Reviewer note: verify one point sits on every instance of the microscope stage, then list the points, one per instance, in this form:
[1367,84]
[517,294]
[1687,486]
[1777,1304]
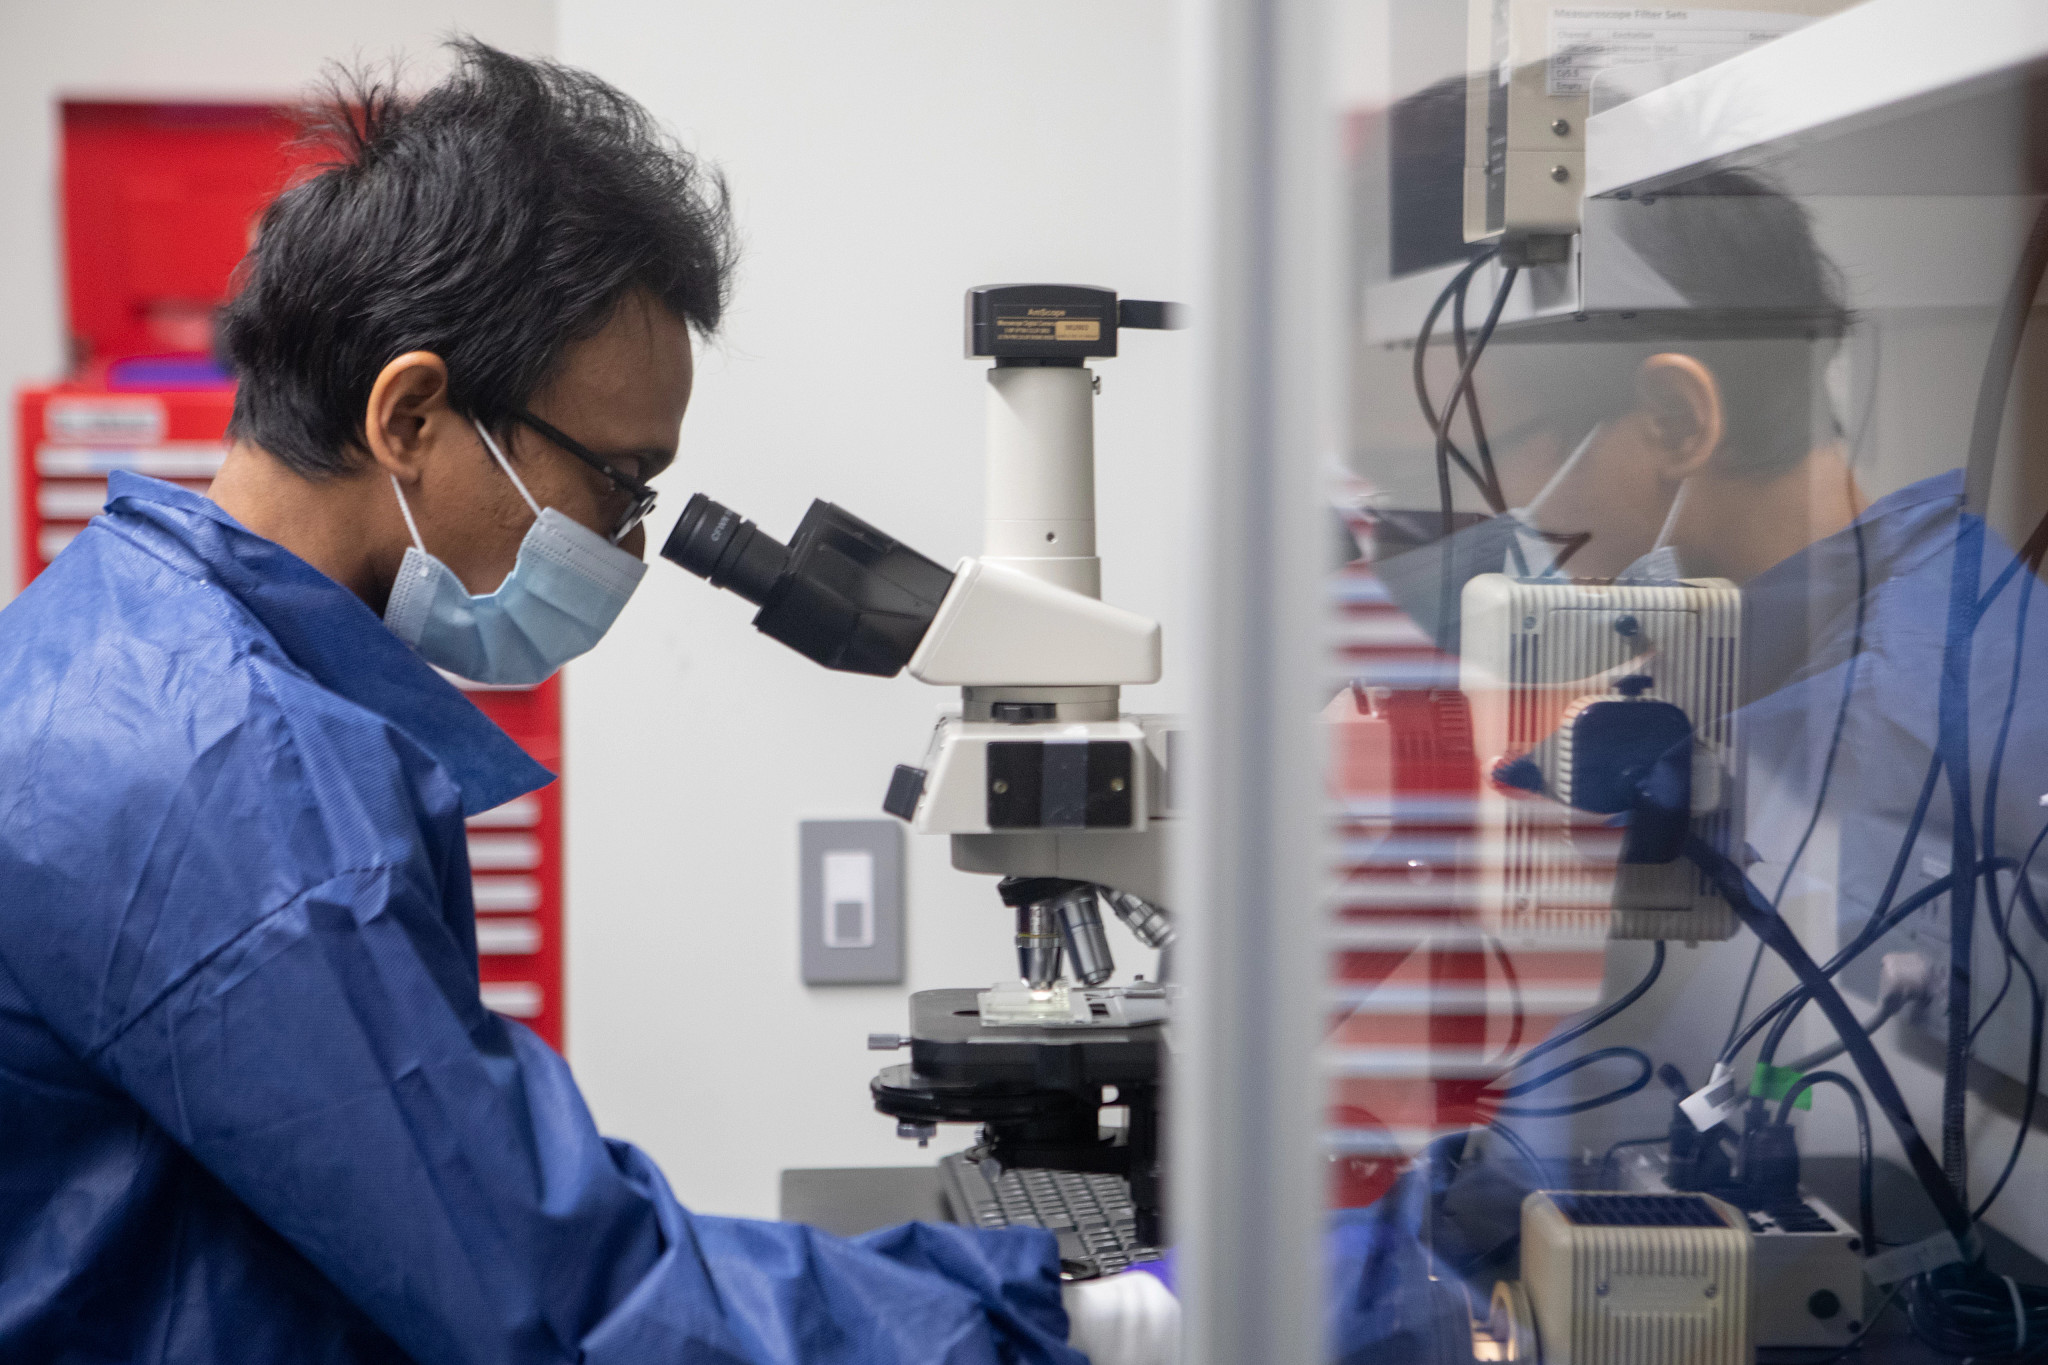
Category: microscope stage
[948,1042]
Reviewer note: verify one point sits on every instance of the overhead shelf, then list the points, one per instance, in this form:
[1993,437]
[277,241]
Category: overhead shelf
[1883,246]
[1914,132]
[1893,97]
[1394,309]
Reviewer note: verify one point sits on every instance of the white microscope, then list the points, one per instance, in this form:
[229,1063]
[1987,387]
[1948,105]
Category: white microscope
[1040,778]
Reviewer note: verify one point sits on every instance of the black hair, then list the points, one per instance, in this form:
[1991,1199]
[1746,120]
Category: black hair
[1761,306]
[493,220]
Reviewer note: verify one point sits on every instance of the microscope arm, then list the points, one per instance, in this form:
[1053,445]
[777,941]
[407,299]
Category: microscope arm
[1001,627]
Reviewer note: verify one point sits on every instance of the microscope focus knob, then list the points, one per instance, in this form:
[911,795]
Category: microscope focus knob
[886,1042]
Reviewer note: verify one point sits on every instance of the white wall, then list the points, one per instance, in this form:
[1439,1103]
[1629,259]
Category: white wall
[168,49]
[883,158]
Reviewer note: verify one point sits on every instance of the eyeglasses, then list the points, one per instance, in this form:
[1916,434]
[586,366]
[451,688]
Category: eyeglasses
[642,496]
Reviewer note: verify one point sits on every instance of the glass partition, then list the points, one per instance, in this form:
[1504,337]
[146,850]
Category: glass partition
[1682,707]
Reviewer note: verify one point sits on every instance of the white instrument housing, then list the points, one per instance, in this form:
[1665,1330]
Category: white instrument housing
[956,801]
[1529,651]
[1610,1294]
[1001,626]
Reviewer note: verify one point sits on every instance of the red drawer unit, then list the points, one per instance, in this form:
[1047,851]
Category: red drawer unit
[515,864]
[72,437]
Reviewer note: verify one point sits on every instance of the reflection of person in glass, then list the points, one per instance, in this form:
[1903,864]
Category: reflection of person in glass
[1721,400]
[1705,445]
[1722,457]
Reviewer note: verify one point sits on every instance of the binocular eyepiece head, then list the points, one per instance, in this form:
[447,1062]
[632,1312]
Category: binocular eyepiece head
[841,592]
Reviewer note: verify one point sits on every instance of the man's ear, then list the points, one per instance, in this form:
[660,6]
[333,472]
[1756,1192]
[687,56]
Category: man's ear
[408,413]
[1681,402]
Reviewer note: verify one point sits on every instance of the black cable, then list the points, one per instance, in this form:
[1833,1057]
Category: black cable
[1873,929]
[1564,1069]
[1779,1014]
[1765,923]
[1606,1012]
[1866,1160]
[1607,1161]
[1732,1044]
[2004,926]
[1455,290]
[1578,1063]
[2030,554]
[1421,378]
[1964,612]
[1987,422]
[1882,921]
[1953,741]
[1965,1310]
[2025,889]
[1827,773]
[1789,1005]
[1460,391]
[1928,782]
[1819,1057]
[2004,989]
[1522,1148]
[1827,770]
[1496,499]
[1507,971]
[2012,696]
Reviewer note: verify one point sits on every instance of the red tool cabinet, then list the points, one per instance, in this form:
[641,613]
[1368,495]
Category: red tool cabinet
[159,201]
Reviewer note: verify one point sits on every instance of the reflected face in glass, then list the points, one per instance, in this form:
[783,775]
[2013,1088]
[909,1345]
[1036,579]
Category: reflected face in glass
[1529,454]
[1541,401]
[1615,433]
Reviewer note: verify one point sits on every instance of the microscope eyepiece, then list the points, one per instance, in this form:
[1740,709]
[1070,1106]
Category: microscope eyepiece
[714,542]
[841,592]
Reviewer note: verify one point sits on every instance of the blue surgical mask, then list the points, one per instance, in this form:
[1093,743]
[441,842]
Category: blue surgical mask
[565,590]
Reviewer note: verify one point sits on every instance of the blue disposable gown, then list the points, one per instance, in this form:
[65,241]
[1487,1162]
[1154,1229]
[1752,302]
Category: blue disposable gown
[251,1108]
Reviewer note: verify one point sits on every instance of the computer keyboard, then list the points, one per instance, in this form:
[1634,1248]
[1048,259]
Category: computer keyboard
[1090,1214]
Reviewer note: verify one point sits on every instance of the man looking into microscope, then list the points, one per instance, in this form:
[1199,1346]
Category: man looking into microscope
[255,1109]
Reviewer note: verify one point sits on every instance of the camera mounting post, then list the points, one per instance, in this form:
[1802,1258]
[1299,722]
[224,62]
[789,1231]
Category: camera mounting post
[1041,419]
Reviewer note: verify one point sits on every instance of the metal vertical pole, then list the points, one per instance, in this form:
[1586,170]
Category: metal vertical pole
[1246,1139]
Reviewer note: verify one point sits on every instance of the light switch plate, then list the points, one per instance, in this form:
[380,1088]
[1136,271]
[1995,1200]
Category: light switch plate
[850,920]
